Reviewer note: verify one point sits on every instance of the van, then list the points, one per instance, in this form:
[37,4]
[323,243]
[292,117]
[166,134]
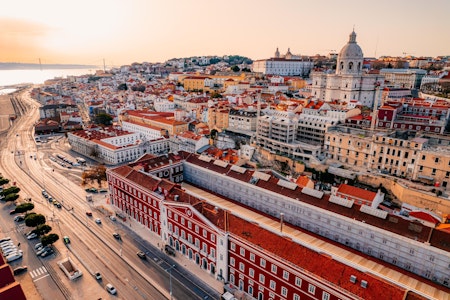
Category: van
[169,250]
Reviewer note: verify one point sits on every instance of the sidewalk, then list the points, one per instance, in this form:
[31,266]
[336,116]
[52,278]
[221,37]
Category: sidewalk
[152,238]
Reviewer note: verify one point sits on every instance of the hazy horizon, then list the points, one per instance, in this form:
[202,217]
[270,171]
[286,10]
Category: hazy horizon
[121,33]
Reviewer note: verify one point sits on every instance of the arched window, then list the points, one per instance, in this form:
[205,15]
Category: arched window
[350,65]
[359,66]
[342,65]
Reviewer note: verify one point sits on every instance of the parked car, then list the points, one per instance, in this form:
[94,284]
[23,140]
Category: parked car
[66,240]
[116,235]
[112,218]
[58,205]
[43,249]
[20,270]
[47,253]
[19,218]
[141,254]
[98,221]
[32,235]
[14,256]
[111,289]
[89,214]
[6,243]
[97,275]
[38,246]
[103,190]
[5,239]
[12,212]
[10,251]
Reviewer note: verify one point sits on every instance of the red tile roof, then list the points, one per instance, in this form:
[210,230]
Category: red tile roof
[322,266]
[356,192]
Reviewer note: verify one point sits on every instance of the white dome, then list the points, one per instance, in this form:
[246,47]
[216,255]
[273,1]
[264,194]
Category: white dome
[351,49]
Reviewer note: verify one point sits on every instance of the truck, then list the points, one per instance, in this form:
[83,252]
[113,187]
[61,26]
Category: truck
[69,268]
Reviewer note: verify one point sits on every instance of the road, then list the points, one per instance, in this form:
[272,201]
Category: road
[92,246]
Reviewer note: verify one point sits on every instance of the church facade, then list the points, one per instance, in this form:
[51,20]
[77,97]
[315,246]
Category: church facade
[349,81]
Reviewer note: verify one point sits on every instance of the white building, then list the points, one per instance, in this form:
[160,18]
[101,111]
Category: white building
[161,104]
[349,82]
[288,65]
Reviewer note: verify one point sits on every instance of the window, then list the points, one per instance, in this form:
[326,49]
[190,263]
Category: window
[296,297]
[241,267]
[233,246]
[251,272]
[252,257]
[242,251]
[298,281]
[273,285]
[311,289]
[285,275]
[274,268]
[262,262]
[325,296]
[261,278]
[232,261]
[423,157]
[284,291]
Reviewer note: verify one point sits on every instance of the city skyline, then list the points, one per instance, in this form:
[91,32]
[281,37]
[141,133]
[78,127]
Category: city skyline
[121,33]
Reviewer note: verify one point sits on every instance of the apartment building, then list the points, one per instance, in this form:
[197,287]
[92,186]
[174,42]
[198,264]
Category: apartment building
[394,152]
[403,78]
[242,120]
[163,120]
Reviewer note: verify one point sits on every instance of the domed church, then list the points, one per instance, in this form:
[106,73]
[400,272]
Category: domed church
[350,83]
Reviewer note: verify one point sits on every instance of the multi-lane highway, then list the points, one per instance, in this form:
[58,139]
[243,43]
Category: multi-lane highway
[92,246]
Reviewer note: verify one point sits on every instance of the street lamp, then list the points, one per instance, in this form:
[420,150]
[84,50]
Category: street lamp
[170,279]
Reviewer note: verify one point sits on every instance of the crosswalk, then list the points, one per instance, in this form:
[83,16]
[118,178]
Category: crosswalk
[39,273]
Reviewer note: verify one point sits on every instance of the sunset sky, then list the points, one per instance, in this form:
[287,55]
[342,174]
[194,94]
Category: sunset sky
[125,31]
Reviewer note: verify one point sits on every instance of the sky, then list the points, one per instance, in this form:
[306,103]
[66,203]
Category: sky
[122,32]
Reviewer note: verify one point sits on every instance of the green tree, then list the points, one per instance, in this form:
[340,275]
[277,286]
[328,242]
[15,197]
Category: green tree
[10,190]
[11,197]
[24,207]
[49,239]
[235,69]
[42,229]
[33,220]
[103,118]
[3,181]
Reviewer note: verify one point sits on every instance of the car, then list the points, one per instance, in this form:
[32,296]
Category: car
[112,218]
[38,246]
[58,205]
[10,251]
[111,289]
[103,191]
[98,221]
[50,199]
[89,214]
[5,239]
[97,275]
[32,235]
[19,218]
[43,249]
[66,240]
[14,256]
[55,202]
[47,253]
[141,254]
[116,235]
[20,270]
[6,243]
[12,212]
[44,192]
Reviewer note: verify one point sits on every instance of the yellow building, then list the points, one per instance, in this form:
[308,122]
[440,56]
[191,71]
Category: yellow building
[218,118]
[195,83]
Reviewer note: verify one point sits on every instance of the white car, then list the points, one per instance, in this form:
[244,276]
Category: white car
[32,235]
[6,244]
[14,256]
[111,289]
[38,246]
[5,248]
[10,251]
[98,221]
[5,239]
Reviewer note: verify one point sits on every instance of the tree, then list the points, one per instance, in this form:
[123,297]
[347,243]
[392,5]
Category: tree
[10,190]
[11,197]
[49,239]
[235,69]
[42,229]
[103,118]
[24,207]
[3,181]
[33,220]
